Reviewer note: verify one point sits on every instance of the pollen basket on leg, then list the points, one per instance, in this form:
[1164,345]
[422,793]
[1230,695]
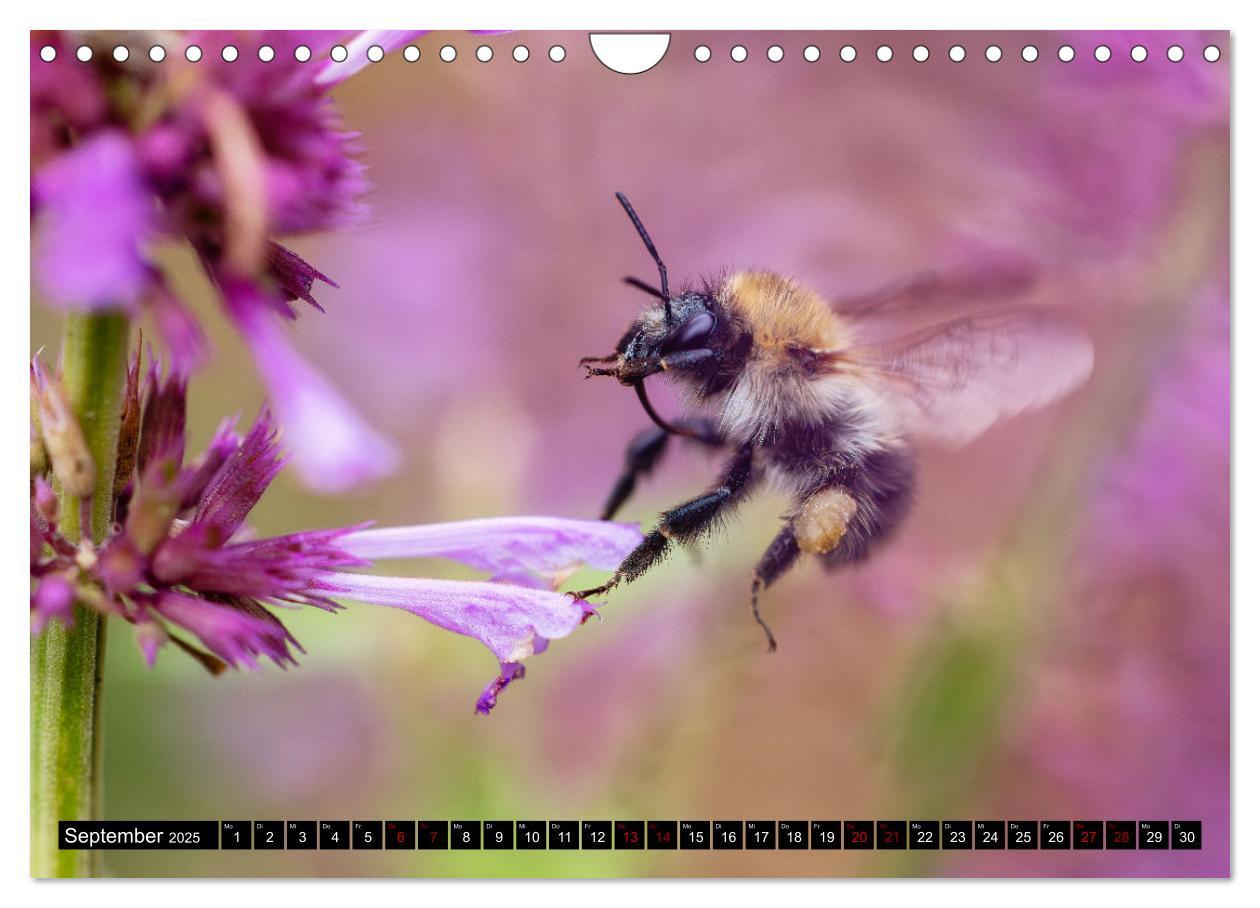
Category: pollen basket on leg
[823,519]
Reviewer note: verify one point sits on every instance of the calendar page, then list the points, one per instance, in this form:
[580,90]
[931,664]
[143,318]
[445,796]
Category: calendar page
[661,454]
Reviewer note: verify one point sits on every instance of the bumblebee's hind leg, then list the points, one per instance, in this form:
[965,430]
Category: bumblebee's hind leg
[644,453]
[844,519]
[780,556]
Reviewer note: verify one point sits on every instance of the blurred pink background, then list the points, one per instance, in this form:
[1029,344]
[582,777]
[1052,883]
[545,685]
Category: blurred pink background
[1047,638]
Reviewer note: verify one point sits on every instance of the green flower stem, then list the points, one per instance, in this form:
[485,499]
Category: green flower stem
[67,664]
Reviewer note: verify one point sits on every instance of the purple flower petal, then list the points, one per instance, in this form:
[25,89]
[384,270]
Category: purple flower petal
[198,477]
[236,632]
[513,622]
[150,636]
[279,568]
[187,343]
[333,448]
[241,481]
[53,598]
[508,672]
[551,547]
[162,423]
[94,214]
[294,276]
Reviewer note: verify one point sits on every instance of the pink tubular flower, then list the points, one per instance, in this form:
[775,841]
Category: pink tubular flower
[178,561]
[223,156]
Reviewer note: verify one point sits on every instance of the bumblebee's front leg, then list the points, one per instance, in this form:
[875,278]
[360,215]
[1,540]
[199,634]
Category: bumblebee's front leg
[644,453]
[687,522]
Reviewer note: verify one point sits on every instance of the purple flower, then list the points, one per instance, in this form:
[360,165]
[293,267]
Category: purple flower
[179,562]
[223,156]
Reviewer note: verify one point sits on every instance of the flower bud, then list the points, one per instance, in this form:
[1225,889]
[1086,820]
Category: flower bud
[154,506]
[128,428]
[67,449]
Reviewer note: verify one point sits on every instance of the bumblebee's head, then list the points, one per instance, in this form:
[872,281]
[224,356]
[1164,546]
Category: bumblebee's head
[674,336]
[680,335]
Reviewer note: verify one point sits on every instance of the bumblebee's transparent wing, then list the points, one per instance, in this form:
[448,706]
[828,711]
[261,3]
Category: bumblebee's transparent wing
[951,381]
[937,295]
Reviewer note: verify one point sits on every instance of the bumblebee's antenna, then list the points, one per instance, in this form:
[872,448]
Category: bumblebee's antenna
[644,286]
[651,248]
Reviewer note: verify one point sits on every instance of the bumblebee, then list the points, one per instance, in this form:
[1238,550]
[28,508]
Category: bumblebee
[828,400]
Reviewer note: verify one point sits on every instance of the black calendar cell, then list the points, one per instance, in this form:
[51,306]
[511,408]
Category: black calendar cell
[235,835]
[695,834]
[597,834]
[466,835]
[1121,834]
[1087,835]
[433,835]
[268,835]
[793,835]
[859,834]
[1056,835]
[496,835]
[400,835]
[334,835]
[563,835]
[299,835]
[1021,835]
[629,834]
[1187,834]
[890,834]
[531,835]
[925,835]
[759,835]
[728,835]
[367,835]
[662,834]
[957,835]
[826,835]
[1153,834]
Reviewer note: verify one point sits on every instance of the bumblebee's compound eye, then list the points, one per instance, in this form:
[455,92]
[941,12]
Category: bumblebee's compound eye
[694,332]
